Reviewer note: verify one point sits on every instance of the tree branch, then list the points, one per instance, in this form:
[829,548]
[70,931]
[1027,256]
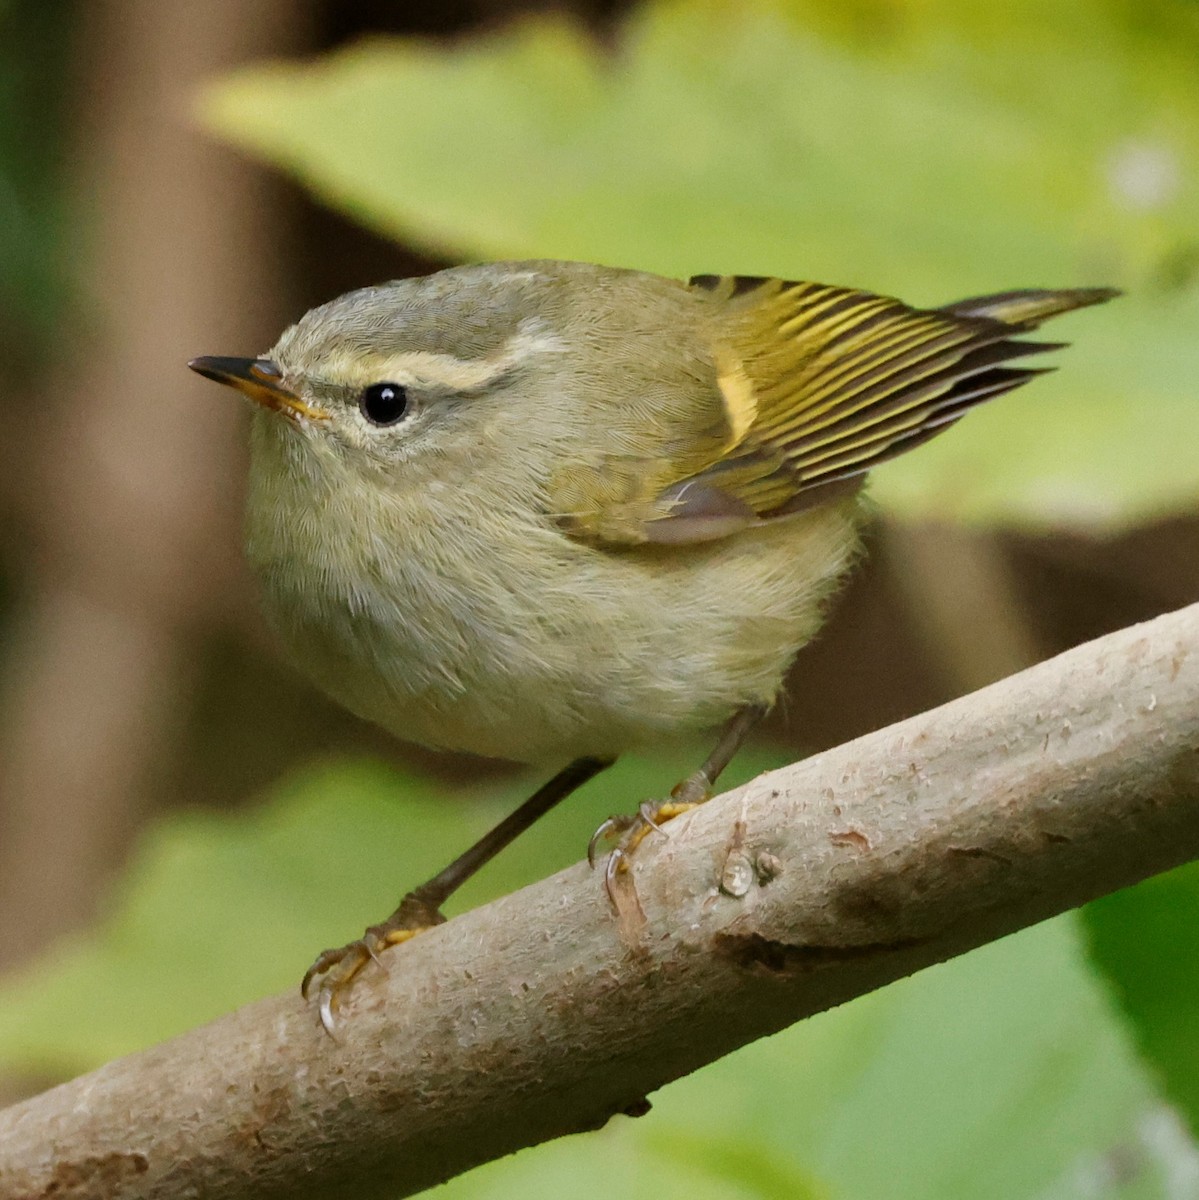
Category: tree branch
[540,1014]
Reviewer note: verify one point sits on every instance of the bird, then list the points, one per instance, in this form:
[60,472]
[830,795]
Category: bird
[552,512]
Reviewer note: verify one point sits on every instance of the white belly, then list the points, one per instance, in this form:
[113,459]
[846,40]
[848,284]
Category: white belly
[586,653]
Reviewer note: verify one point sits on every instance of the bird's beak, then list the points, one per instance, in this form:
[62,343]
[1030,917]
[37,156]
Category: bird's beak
[261,380]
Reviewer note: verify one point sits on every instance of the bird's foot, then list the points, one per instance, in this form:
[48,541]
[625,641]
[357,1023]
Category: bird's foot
[337,969]
[630,830]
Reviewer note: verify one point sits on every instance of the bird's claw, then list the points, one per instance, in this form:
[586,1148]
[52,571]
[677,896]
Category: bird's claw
[609,828]
[631,830]
[338,968]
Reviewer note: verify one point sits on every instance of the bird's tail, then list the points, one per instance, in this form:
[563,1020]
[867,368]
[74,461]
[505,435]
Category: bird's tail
[1027,309]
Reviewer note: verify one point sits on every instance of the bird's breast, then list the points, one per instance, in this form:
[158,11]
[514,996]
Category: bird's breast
[477,628]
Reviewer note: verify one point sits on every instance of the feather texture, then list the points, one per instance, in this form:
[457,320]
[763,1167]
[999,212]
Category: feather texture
[816,386]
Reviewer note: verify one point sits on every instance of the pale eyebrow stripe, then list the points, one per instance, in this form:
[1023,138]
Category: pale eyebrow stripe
[447,370]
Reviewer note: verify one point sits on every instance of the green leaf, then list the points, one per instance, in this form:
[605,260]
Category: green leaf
[1146,940]
[1045,144]
[1000,1075]
[214,912]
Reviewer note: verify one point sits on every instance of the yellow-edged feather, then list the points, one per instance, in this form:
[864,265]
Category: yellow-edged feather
[815,385]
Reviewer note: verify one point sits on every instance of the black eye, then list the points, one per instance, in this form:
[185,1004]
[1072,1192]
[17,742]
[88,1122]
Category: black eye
[384,403]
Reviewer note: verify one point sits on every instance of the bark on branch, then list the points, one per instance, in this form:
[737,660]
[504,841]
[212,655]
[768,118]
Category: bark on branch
[540,1014]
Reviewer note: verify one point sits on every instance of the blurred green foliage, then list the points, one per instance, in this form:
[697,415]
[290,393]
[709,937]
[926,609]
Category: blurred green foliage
[927,149]
[1146,940]
[218,912]
[1003,1074]
[33,62]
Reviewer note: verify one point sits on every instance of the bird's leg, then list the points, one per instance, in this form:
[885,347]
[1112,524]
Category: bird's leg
[420,909]
[690,793]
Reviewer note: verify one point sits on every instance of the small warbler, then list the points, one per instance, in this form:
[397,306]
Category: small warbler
[549,511]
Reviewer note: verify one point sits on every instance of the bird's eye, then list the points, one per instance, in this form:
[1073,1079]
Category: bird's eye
[384,403]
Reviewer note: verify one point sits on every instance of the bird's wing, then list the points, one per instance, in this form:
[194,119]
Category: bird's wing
[816,386]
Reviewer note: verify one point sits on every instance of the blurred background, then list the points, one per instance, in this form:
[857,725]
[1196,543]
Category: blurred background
[184,179]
